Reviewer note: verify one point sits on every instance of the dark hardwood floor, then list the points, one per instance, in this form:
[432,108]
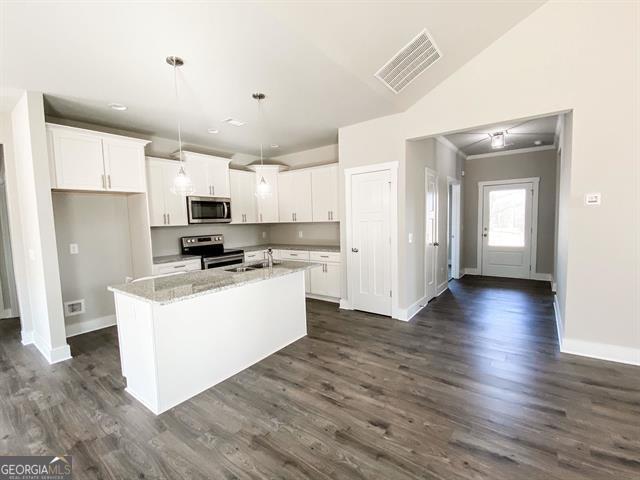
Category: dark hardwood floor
[472,388]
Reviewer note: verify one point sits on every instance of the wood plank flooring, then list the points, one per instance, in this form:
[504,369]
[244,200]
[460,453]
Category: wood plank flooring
[473,388]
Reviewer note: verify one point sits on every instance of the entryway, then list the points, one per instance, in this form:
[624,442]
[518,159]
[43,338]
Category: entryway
[507,219]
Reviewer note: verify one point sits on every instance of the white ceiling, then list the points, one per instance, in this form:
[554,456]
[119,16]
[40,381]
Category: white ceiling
[518,134]
[314,60]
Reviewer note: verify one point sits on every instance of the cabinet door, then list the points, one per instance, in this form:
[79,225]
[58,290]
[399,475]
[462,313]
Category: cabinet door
[175,205]
[198,170]
[155,193]
[236,181]
[249,206]
[218,175]
[318,281]
[268,206]
[324,187]
[332,279]
[123,165]
[294,197]
[78,160]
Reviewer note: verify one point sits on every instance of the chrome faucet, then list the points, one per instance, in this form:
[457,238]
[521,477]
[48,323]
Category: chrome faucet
[270,257]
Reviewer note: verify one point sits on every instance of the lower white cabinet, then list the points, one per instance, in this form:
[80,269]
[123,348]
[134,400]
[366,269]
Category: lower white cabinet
[172,267]
[255,256]
[325,280]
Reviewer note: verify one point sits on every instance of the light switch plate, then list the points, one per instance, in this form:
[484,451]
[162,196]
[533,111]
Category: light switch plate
[73,248]
[411,238]
[264,234]
[592,198]
[299,233]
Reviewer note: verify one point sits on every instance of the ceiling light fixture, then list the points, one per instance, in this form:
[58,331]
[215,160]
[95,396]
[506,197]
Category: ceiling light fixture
[538,142]
[182,184]
[117,106]
[213,130]
[263,189]
[234,122]
[497,140]
[275,145]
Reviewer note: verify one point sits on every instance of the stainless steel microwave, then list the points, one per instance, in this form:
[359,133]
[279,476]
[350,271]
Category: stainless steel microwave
[209,209]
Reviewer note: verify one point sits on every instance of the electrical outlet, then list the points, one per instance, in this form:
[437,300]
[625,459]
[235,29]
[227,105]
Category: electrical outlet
[264,234]
[411,238]
[73,248]
[299,233]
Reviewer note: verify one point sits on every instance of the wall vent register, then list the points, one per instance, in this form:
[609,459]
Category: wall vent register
[406,65]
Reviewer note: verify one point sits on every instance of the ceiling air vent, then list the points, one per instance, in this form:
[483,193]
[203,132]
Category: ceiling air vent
[418,55]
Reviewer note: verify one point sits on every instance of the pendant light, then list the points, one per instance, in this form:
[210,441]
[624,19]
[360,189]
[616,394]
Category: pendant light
[182,184]
[263,189]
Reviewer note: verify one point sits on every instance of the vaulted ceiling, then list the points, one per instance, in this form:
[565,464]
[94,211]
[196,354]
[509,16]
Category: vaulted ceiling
[315,61]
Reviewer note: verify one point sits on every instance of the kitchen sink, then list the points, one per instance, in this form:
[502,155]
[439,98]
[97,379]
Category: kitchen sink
[248,268]
[262,265]
[238,269]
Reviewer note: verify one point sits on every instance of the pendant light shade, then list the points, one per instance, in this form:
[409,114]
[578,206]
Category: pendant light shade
[263,189]
[182,184]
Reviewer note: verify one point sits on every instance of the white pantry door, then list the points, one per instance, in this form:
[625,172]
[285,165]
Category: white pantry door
[506,230]
[431,233]
[371,242]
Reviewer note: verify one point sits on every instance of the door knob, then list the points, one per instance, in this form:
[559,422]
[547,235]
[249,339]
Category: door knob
[436,244]
[354,250]
[484,234]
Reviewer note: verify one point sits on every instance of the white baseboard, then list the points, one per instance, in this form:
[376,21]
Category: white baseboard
[543,277]
[345,304]
[471,271]
[406,314]
[86,326]
[559,328]
[27,337]
[554,286]
[323,298]
[7,313]
[52,355]
[443,287]
[601,351]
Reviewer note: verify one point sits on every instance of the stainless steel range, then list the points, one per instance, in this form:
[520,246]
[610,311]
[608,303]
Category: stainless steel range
[211,249]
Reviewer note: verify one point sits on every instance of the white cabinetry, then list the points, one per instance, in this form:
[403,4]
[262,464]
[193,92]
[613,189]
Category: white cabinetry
[209,174]
[93,161]
[324,187]
[294,199]
[165,207]
[243,196]
[268,205]
[173,267]
[255,255]
[325,280]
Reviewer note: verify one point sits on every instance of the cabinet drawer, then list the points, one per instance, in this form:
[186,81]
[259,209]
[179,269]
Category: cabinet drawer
[187,265]
[294,255]
[324,257]
[256,255]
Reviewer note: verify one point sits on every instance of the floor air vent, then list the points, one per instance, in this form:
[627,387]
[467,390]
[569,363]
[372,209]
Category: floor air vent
[418,55]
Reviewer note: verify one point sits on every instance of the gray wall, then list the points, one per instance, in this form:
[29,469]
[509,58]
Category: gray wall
[312,233]
[99,224]
[506,167]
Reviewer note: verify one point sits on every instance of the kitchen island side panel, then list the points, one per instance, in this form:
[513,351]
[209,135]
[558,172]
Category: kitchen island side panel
[204,340]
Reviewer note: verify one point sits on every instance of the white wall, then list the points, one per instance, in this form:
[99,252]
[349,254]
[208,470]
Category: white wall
[312,233]
[29,169]
[556,63]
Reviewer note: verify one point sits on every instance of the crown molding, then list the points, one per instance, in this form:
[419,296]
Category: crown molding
[512,152]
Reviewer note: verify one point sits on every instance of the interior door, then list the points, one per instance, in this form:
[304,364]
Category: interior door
[506,230]
[370,271]
[431,233]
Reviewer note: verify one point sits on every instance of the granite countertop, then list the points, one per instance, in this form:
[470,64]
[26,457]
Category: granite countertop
[280,246]
[174,288]
[174,258]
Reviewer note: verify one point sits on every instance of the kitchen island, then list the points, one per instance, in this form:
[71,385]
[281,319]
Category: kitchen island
[182,334]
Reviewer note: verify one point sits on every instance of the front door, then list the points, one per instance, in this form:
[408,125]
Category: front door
[506,230]
[371,242]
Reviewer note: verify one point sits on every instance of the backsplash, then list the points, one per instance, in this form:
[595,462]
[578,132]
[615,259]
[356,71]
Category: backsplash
[312,233]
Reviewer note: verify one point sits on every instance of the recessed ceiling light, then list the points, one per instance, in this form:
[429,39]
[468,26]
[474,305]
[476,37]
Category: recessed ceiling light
[233,121]
[538,142]
[213,130]
[275,145]
[118,106]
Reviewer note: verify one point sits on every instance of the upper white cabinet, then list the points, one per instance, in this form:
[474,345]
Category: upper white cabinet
[165,208]
[268,205]
[209,174]
[294,189]
[243,197]
[324,188]
[87,160]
